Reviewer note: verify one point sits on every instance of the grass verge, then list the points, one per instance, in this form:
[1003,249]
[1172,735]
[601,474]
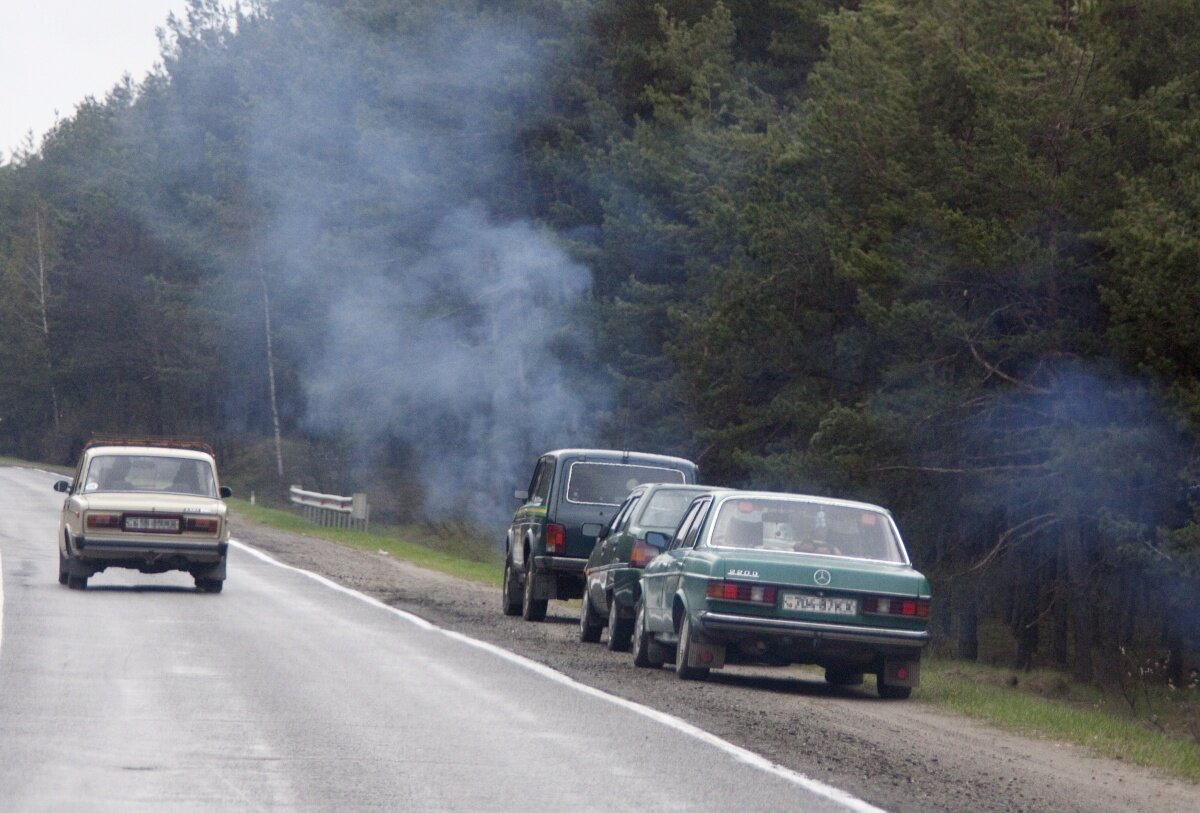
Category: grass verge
[1047,704]
[445,548]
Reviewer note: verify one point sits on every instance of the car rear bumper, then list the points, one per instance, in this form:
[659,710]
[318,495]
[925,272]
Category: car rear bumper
[560,564]
[724,625]
[197,550]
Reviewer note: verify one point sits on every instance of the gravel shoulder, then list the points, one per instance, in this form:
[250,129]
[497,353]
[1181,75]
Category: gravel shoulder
[902,756]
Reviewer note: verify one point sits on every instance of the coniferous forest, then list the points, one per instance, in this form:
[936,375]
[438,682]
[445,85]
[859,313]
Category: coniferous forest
[942,257]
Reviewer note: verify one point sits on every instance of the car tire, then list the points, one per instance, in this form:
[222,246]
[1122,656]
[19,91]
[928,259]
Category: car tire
[646,652]
[620,630]
[532,609]
[892,692]
[841,676]
[511,598]
[682,670]
[589,629]
[62,568]
[77,582]
[210,585]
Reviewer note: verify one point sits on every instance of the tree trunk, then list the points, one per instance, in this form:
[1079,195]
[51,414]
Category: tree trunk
[1080,600]
[43,304]
[262,279]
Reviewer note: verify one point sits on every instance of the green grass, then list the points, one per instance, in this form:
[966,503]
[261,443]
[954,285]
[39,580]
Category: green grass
[12,461]
[1047,704]
[445,548]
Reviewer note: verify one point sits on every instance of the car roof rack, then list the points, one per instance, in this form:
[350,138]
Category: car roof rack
[107,439]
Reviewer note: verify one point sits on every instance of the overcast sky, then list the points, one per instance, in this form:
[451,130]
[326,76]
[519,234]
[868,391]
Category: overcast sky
[53,53]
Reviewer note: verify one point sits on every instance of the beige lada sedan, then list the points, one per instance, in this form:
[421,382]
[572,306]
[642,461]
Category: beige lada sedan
[151,506]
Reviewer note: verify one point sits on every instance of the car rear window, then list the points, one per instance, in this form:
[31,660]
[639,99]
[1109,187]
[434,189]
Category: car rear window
[610,483]
[664,509]
[173,475]
[801,526]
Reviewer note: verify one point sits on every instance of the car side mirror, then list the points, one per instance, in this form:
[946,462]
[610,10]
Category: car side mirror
[225,492]
[62,486]
[521,495]
[658,540]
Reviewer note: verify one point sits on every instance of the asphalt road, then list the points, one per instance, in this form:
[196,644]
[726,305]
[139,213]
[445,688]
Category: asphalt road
[288,692]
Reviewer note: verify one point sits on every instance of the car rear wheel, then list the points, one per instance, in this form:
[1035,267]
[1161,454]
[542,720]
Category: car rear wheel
[646,652]
[589,628]
[682,670]
[210,585]
[532,609]
[511,598]
[620,630]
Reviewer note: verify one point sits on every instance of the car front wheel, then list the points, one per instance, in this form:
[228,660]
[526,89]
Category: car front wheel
[62,567]
[210,585]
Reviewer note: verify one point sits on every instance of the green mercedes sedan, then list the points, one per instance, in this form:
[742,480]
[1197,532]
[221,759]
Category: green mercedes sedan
[784,578]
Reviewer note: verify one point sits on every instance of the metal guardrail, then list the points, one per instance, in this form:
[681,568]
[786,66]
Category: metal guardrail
[332,510]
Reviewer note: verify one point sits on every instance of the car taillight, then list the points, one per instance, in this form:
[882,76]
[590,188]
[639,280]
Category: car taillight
[642,554]
[555,538]
[736,591]
[909,607]
[103,520]
[201,525]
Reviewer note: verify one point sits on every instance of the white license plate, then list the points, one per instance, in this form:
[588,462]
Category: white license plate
[151,524]
[819,604]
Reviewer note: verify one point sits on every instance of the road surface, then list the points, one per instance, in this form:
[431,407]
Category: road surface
[288,692]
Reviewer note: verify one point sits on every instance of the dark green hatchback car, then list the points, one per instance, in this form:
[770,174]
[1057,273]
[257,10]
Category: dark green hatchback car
[572,496]
[614,570]
[785,578]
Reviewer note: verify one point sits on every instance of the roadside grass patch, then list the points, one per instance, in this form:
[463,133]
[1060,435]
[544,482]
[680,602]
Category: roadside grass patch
[448,547]
[1048,704]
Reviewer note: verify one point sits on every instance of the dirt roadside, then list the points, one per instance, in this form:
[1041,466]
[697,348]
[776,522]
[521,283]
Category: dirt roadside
[901,756]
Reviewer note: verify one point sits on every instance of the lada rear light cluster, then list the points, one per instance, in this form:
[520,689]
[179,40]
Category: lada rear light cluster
[556,538]
[737,591]
[909,607]
[201,525]
[98,520]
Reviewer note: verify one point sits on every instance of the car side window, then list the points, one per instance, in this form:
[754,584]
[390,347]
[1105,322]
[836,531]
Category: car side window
[539,487]
[685,525]
[693,533]
[621,518]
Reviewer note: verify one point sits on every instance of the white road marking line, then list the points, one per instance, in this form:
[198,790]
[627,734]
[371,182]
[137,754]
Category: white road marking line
[743,755]
[1,603]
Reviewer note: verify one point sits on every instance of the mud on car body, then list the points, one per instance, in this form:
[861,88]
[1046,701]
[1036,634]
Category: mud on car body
[785,578]
[572,496]
[148,505]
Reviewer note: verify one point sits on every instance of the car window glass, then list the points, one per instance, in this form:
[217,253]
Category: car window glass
[697,524]
[157,473]
[615,524]
[609,483]
[662,510]
[539,488]
[804,526]
[684,526]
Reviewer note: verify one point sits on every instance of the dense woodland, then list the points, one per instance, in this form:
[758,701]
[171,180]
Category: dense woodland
[940,256]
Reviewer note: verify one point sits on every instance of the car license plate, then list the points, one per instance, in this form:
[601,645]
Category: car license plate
[819,604]
[151,524]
